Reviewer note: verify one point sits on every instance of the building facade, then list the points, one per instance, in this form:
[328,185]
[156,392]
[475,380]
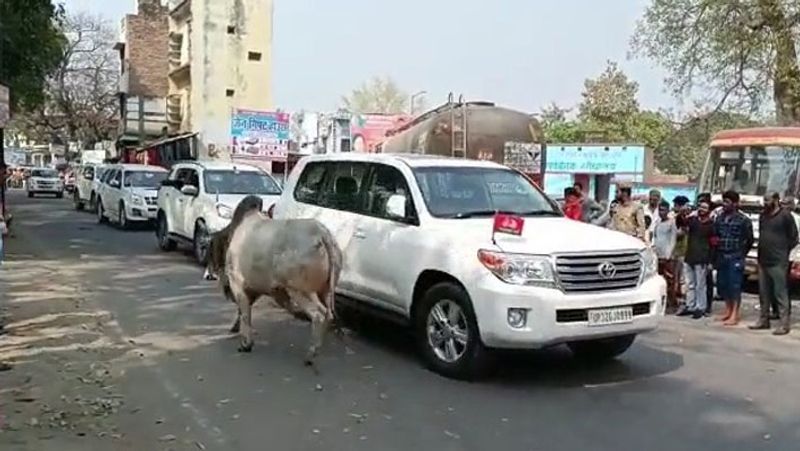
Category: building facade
[143,84]
[598,167]
[220,60]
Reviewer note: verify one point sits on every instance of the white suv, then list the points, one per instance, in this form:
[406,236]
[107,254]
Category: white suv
[127,193]
[87,181]
[45,181]
[418,243]
[198,198]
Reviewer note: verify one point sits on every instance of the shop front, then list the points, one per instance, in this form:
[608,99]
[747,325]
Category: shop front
[595,166]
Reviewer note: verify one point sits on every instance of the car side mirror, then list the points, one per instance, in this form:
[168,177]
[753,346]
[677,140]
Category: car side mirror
[396,206]
[114,183]
[189,190]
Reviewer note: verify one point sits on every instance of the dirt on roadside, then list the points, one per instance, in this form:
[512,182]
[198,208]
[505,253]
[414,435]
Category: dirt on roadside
[59,380]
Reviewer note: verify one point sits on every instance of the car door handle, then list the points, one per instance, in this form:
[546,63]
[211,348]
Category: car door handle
[359,233]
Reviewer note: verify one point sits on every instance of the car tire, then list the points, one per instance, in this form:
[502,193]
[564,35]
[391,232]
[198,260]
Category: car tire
[464,359]
[122,217]
[60,195]
[200,236]
[76,198]
[30,195]
[93,203]
[602,349]
[165,243]
[101,214]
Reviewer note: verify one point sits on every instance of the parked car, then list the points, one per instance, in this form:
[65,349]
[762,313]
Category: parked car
[86,185]
[198,198]
[127,193]
[45,181]
[419,248]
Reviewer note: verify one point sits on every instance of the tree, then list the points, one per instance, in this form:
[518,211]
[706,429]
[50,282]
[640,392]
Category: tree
[557,128]
[378,95]
[609,98]
[81,94]
[31,44]
[684,151]
[742,52]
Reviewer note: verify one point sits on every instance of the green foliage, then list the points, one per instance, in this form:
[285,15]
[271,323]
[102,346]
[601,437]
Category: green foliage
[685,150]
[738,53]
[609,112]
[378,95]
[609,99]
[31,46]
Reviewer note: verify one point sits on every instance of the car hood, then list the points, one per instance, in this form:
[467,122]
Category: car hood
[543,236]
[232,200]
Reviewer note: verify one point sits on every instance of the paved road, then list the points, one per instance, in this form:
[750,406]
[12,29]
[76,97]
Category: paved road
[691,385]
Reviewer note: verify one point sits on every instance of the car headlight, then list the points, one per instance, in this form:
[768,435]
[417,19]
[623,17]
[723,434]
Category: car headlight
[649,263]
[137,200]
[518,269]
[224,211]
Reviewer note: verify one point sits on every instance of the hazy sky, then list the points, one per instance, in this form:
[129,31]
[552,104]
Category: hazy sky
[519,53]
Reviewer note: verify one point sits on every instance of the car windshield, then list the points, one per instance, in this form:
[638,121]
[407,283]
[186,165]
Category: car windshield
[465,192]
[144,179]
[44,173]
[753,170]
[240,182]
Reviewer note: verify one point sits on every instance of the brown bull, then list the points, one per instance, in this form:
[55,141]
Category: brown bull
[295,262]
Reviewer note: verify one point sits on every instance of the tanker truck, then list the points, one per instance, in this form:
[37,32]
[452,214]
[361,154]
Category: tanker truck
[474,130]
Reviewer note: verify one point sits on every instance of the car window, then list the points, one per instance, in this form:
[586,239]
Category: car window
[240,182]
[117,176]
[345,187]
[386,181]
[310,184]
[463,192]
[108,174]
[144,179]
[44,173]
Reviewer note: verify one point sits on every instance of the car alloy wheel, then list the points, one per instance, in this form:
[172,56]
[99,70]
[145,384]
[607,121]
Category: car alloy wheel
[162,234]
[448,331]
[101,214]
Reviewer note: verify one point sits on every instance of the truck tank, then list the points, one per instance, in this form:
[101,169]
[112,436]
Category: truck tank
[474,130]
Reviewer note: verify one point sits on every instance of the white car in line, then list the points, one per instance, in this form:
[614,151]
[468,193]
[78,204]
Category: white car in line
[45,181]
[86,185]
[198,199]
[417,238]
[127,194]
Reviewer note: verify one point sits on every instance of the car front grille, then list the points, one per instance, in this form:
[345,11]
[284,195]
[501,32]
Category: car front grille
[580,315]
[598,272]
[151,200]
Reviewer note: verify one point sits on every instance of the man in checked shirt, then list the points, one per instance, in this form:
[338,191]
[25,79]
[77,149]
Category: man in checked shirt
[734,238]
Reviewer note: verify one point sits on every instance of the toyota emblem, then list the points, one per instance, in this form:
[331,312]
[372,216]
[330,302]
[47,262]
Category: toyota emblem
[607,270]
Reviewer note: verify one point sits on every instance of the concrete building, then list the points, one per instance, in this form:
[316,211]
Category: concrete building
[143,85]
[220,59]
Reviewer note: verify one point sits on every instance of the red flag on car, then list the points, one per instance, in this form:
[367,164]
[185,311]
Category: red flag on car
[510,224]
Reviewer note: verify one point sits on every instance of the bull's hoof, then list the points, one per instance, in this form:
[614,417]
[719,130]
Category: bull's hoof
[246,347]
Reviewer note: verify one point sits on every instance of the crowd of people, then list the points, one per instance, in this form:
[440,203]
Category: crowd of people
[695,242]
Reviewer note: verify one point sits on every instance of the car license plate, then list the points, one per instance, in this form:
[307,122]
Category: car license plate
[605,317]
